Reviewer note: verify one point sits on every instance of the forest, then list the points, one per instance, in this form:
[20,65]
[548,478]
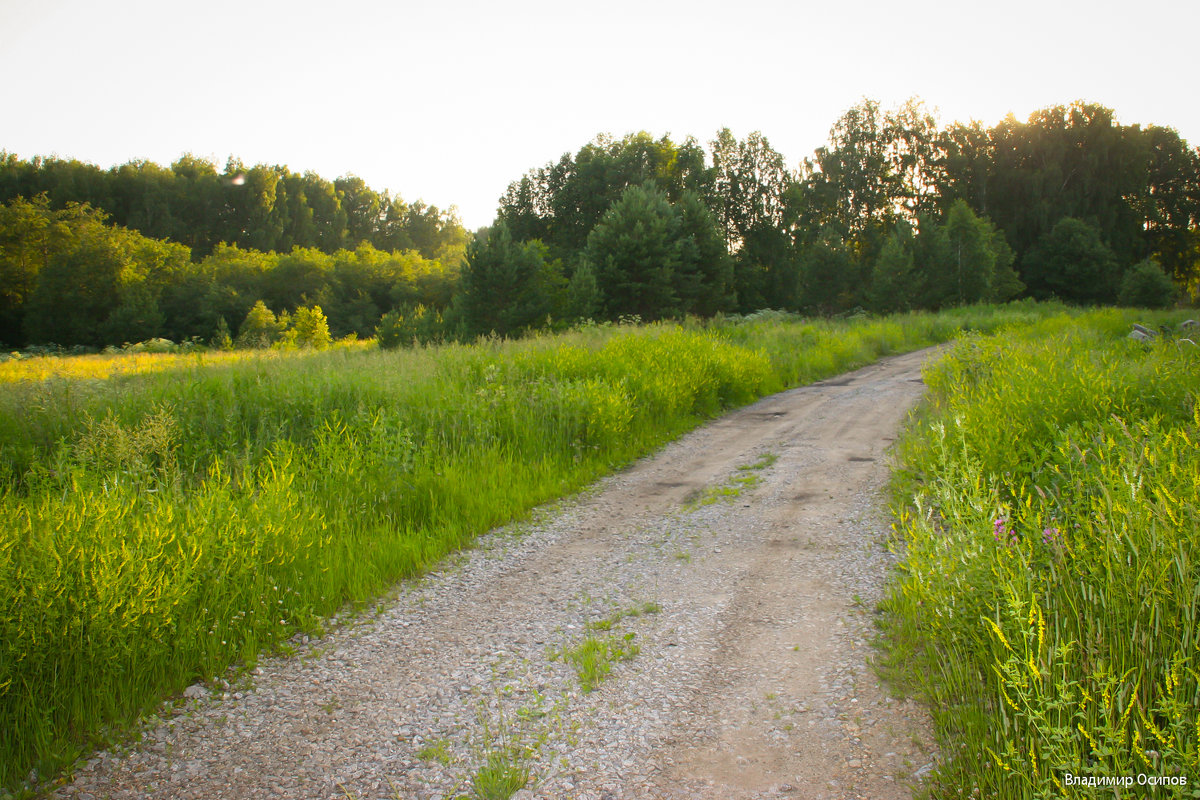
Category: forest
[895,212]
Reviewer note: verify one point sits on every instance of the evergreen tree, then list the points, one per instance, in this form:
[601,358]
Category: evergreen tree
[829,274]
[936,282]
[766,274]
[563,201]
[635,248]
[583,294]
[893,277]
[410,325]
[222,338]
[972,259]
[704,276]
[1006,284]
[508,287]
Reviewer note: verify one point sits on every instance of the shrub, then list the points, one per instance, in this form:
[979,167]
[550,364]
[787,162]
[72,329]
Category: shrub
[1145,285]
[310,328]
[406,326]
[260,328]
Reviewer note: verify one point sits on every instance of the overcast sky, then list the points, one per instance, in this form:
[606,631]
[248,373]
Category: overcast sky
[449,101]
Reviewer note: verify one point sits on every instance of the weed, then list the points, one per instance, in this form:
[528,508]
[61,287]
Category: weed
[764,461]
[437,750]
[607,623]
[1046,506]
[744,479]
[593,657]
[502,776]
[189,514]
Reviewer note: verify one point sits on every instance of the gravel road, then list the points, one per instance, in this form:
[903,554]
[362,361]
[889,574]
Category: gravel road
[737,568]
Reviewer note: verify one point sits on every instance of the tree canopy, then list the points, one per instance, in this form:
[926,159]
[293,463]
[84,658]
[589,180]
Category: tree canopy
[894,212]
[69,277]
[268,208]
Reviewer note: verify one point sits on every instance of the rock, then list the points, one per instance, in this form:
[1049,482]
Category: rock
[1149,333]
[195,692]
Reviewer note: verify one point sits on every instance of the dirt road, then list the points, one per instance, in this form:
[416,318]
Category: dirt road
[727,582]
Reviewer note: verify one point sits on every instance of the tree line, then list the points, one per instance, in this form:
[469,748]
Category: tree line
[893,213]
[268,208]
[70,277]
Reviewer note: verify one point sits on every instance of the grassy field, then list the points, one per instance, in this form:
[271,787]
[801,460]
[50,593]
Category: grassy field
[166,521]
[1048,599]
[18,368]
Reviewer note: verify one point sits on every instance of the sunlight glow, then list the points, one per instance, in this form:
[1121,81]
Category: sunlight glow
[449,102]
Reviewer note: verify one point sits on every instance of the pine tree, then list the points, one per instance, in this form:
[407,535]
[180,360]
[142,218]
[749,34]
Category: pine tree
[222,339]
[635,248]
[583,294]
[704,275]
[892,279]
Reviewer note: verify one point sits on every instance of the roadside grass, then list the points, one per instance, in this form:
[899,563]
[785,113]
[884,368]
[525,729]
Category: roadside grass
[508,742]
[1046,605]
[764,461]
[165,523]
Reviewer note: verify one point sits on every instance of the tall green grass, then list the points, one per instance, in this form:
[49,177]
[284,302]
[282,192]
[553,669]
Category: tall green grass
[1047,603]
[163,525]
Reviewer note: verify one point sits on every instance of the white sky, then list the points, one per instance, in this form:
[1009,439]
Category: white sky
[450,100]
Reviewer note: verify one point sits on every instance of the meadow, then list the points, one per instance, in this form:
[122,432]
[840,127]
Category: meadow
[168,520]
[1047,603]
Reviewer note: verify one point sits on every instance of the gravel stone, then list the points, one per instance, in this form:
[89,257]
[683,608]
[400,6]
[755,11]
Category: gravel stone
[751,616]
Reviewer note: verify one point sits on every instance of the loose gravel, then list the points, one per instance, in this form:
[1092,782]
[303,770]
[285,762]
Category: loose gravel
[739,567]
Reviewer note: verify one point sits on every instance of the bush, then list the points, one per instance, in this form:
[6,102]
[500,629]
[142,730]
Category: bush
[1073,263]
[310,328]
[406,326]
[1145,285]
[260,328]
